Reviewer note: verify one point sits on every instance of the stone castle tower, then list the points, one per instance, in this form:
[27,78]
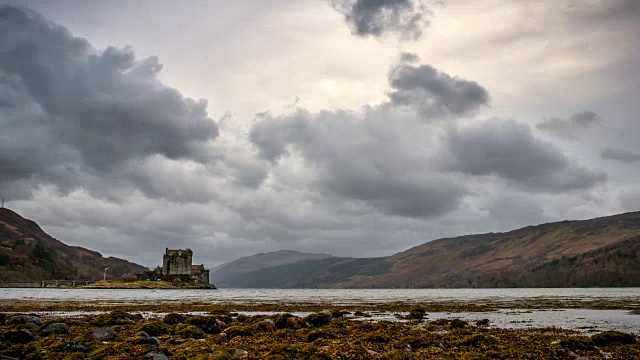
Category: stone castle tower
[180,262]
[177,262]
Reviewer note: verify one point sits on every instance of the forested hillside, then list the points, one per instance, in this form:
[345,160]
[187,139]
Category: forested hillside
[27,253]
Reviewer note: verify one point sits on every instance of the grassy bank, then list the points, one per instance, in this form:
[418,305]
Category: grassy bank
[145,284]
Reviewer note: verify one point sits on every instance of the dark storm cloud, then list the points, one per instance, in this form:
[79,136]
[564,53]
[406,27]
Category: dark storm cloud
[409,57]
[621,155]
[434,93]
[362,157]
[569,128]
[69,111]
[378,17]
[507,149]
[614,12]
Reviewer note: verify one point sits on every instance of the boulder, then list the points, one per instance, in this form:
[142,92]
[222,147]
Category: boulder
[239,353]
[55,328]
[417,313]
[153,341]
[267,324]
[104,334]
[23,319]
[19,336]
[189,332]
[156,356]
[319,319]
[234,331]
[174,319]
[208,324]
[607,338]
[286,321]
[74,347]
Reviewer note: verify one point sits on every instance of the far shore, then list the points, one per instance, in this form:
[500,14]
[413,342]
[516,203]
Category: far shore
[109,284]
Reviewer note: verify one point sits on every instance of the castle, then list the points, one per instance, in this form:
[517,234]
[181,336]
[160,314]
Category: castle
[179,262]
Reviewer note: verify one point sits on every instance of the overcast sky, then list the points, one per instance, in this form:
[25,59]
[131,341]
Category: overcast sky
[352,127]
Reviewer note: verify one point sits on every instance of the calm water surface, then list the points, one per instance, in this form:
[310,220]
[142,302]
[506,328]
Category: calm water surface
[333,296]
[584,320]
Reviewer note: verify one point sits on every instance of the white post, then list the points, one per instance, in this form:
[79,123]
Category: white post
[105,274]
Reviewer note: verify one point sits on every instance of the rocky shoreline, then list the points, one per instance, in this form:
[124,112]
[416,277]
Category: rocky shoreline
[216,331]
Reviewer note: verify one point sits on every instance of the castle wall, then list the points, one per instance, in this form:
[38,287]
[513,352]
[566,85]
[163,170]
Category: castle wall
[198,272]
[177,262]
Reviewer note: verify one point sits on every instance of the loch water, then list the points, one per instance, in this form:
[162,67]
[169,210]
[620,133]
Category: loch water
[332,296]
[585,319]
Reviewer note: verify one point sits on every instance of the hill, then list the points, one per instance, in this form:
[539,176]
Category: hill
[27,253]
[597,252]
[233,272]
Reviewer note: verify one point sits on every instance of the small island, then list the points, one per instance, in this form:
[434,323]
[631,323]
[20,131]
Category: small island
[177,272]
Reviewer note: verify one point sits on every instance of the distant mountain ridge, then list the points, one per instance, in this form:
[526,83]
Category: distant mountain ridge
[27,253]
[601,252]
[236,269]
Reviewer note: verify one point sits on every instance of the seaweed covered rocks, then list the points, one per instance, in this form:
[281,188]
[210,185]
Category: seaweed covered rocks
[321,335]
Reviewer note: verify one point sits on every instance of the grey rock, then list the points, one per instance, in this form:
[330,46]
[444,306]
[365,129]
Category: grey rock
[23,319]
[240,353]
[75,347]
[30,326]
[319,319]
[55,328]
[104,334]
[156,356]
[151,340]
[19,336]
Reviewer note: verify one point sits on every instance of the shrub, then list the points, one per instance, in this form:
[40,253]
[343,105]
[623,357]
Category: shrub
[128,277]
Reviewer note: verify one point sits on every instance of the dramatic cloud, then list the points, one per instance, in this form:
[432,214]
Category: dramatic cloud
[364,157]
[569,128]
[508,150]
[432,92]
[620,155]
[69,111]
[406,18]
